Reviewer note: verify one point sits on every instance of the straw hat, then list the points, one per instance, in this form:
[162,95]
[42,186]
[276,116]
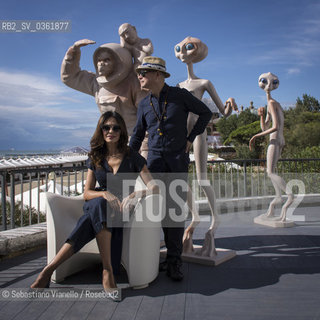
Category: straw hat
[154,63]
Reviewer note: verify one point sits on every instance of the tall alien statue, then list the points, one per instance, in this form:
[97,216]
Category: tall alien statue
[189,51]
[269,82]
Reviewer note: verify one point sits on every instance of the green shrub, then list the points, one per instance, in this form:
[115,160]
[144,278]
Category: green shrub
[25,215]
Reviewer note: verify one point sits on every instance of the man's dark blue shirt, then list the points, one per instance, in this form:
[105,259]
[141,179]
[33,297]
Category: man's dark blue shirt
[171,134]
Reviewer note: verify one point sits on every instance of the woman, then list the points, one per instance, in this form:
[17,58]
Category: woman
[109,157]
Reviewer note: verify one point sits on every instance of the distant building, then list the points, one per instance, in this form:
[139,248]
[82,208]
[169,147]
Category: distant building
[78,150]
[213,136]
[252,108]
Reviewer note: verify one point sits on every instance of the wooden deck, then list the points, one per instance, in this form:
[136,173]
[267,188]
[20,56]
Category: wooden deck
[275,275]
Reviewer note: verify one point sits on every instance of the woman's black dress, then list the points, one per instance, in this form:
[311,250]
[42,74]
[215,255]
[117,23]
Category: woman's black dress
[98,211]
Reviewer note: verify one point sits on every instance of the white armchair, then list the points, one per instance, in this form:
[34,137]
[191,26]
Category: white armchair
[141,238]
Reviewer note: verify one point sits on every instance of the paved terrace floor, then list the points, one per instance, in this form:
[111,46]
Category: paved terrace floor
[275,275]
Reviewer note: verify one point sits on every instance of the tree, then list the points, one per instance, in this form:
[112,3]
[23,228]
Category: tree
[246,117]
[301,129]
[241,137]
[302,135]
[308,103]
[226,125]
[244,134]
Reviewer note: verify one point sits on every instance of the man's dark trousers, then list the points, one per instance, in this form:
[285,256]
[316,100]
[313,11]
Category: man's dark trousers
[171,168]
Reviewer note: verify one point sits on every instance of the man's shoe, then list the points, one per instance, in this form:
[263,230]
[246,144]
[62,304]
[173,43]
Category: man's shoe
[174,271]
[163,266]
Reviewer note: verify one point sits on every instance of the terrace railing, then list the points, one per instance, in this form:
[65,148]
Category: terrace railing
[21,188]
[249,178]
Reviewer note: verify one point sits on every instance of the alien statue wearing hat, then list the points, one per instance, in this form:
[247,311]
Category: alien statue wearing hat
[164,113]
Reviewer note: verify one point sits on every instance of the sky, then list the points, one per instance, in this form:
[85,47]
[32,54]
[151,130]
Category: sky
[245,39]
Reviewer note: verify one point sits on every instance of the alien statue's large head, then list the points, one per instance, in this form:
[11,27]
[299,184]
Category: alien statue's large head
[268,82]
[191,50]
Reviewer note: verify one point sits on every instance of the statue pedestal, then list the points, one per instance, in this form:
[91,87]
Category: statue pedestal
[262,219]
[223,255]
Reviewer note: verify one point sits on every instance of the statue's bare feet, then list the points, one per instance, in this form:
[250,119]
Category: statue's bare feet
[187,241]
[272,217]
[270,213]
[208,249]
[108,281]
[285,207]
[274,202]
[43,279]
[188,246]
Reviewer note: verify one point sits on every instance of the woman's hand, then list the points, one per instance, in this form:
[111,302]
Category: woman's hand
[129,203]
[113,201]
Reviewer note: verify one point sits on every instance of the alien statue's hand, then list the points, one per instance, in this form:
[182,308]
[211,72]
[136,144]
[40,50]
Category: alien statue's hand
[252,142]
[232,104]
[261,112]
[83,42]
[188,233]
[75,48]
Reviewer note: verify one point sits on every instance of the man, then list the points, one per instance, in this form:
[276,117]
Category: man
[163,113]
[114,85]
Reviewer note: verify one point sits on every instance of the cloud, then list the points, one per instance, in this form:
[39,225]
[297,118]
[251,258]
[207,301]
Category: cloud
[38,112]
[299,52]
[297,46]
[312,27]
[288,104]
[293,71]
[44,127]
[34,82]
[31,90]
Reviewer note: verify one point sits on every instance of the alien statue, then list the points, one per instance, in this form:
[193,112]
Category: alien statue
[189,51]
[269,82]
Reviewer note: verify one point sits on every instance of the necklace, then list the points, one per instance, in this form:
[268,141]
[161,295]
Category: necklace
[161,116]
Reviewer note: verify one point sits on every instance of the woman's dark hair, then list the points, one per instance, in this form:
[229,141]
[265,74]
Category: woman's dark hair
[99,149]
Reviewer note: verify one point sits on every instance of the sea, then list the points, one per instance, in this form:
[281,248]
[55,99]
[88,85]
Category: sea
[7,154]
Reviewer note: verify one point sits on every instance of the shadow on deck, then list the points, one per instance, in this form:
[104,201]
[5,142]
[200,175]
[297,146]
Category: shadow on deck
[275,275]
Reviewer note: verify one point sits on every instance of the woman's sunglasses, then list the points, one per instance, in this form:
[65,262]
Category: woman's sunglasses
[107,128]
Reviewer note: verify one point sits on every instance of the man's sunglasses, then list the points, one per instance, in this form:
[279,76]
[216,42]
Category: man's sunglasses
[144,72]
[107,128]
